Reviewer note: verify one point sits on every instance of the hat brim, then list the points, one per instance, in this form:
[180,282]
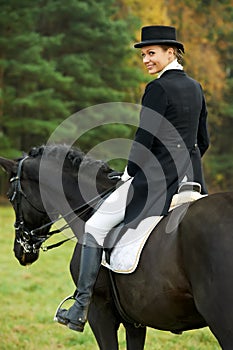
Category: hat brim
[160,42]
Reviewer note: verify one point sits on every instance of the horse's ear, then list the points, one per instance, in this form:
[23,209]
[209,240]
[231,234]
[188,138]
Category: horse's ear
[8,165]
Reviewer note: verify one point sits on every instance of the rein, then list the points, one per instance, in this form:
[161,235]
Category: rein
[31,243]
[28,239]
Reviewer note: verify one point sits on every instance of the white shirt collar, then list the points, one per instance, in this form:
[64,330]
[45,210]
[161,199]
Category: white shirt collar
[173,65]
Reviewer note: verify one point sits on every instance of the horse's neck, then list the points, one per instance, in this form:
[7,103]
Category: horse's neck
[74,187]
[81,196]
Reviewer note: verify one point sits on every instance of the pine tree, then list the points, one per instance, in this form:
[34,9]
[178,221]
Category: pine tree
[95,49]
[57,58]
[31,101]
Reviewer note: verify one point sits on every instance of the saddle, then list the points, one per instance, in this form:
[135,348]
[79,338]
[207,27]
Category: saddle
[123,246]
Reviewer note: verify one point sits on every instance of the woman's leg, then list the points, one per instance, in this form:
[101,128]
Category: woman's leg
[109,214]
[76,316]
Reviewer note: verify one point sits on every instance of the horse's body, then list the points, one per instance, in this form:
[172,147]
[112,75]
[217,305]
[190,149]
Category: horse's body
[184,279]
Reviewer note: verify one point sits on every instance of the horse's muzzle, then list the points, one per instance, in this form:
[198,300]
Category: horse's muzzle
[23,257]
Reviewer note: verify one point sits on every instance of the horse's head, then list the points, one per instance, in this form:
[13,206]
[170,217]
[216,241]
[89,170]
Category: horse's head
[27,187]
[23,193]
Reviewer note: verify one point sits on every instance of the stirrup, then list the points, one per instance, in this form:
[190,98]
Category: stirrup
[70,297]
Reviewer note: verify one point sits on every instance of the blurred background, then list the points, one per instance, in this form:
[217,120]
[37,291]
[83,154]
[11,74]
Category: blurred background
[57,58]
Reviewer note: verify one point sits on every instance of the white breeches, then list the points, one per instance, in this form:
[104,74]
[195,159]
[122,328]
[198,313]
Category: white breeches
[110,213]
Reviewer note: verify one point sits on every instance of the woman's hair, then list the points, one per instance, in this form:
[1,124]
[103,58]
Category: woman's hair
[178,53]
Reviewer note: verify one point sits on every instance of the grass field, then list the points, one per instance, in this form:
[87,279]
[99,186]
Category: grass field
[29,298]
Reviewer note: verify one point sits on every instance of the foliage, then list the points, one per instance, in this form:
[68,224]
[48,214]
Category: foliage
[30,85]
[205,28]
[57,58]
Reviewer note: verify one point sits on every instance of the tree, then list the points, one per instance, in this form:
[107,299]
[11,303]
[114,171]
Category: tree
[220,159]
[31,101]
[205,28]
[56,59]
[94,51]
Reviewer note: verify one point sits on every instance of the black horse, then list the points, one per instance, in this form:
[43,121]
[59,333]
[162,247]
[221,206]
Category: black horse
[184,279]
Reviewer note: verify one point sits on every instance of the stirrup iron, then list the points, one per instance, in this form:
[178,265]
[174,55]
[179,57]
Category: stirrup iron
[70,297]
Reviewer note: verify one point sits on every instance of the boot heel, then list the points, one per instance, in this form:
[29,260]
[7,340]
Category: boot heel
[76,327]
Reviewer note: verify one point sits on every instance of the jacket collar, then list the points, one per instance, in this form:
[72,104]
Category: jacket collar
[173,65]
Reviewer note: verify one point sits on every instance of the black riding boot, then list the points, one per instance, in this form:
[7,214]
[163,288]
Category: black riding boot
[76,316]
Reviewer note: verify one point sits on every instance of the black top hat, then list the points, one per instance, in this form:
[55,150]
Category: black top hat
[159,35]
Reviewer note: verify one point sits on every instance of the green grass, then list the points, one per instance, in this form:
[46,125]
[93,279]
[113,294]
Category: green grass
[30,296]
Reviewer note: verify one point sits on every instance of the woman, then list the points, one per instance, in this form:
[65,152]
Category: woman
[168,145]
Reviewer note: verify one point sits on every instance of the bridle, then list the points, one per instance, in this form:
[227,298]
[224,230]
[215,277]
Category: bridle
[28,239]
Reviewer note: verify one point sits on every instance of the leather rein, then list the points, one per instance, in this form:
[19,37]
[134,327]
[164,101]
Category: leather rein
[28,239]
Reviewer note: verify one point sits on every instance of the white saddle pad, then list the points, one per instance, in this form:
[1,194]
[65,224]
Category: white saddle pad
[125,256]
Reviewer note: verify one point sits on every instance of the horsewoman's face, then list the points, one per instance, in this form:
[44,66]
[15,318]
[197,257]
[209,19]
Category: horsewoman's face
[156,58]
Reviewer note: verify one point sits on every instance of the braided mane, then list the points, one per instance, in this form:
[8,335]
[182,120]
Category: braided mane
[72,155]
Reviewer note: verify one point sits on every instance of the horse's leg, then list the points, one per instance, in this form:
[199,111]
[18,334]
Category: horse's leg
[214,301]
[219,324]
[207,252]
[216,308]
[104,324]
[135,337]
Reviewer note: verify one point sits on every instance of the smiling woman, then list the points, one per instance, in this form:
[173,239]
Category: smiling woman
[167,148]
[157,58]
